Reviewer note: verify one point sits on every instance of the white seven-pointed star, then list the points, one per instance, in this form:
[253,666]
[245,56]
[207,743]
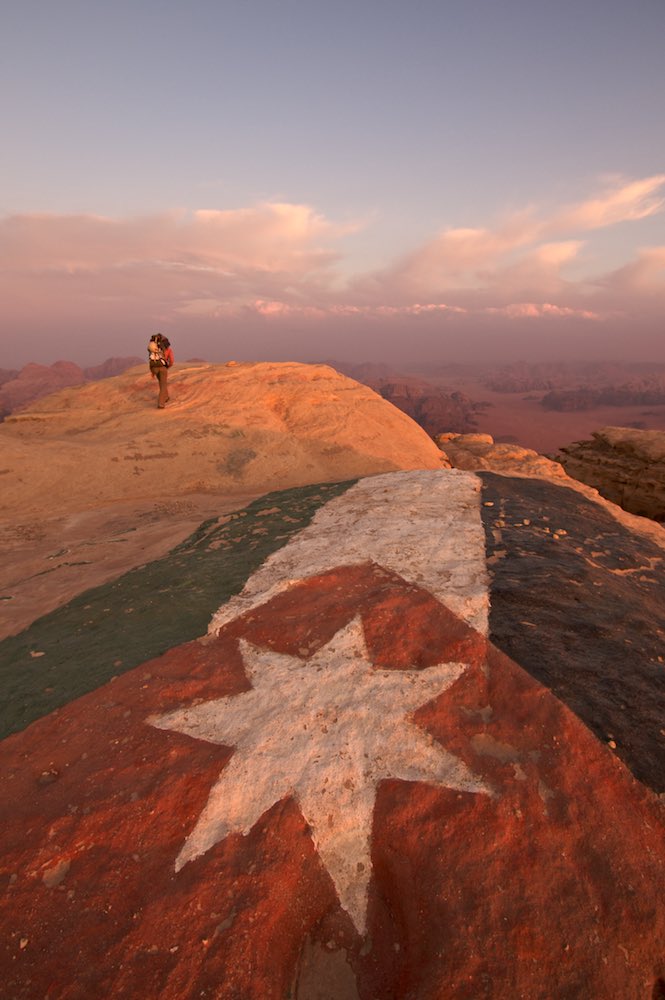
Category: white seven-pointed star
[325,731]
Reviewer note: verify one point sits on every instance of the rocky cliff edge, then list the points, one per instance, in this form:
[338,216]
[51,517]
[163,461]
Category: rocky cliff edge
[625,465]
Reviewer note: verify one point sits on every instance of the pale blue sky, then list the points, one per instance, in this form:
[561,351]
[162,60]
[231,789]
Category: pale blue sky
[404,119]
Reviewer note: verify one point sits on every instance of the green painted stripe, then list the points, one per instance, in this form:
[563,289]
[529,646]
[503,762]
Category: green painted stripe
[113,628]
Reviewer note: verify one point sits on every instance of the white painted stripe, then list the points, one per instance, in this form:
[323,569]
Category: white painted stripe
[424,525]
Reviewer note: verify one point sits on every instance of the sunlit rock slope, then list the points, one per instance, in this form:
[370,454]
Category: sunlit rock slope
[226,429]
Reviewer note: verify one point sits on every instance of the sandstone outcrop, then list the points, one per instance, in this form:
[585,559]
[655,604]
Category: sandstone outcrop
[386,738]
[418,752]
[625,465]
[428,406]
[240,429]
[479,451]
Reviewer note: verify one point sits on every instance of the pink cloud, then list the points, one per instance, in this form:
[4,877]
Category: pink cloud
[645,274]
[535,310]
[269,237]
[518,262]
[276,263]
[624,201]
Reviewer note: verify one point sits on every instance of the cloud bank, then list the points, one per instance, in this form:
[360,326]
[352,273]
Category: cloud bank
[272,274]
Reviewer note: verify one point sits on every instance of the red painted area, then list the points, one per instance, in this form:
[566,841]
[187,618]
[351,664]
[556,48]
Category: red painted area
[552,888]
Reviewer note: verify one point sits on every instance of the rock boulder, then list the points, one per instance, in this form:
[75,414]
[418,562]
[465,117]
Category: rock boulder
[479,451]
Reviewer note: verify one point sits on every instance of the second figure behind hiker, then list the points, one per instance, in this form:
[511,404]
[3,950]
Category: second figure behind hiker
[160,355]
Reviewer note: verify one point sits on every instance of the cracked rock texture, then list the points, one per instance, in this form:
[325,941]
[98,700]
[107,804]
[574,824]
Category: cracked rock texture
[625,465]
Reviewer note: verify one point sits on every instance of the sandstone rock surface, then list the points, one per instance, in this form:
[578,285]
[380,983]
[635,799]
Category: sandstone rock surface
[466,665]
[625,465]
[96,480]
[245,428]
[479,451]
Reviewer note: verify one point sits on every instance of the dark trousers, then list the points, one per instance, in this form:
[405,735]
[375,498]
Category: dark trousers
[162,377]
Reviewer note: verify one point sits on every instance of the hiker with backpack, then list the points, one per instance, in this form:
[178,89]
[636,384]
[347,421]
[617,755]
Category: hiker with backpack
[160,359]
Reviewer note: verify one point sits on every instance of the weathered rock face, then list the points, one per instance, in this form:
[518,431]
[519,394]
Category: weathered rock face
[419,754]
[479,451]
[625,465]
[243,428]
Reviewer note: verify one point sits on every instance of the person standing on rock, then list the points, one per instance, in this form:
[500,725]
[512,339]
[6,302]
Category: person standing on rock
[161,358]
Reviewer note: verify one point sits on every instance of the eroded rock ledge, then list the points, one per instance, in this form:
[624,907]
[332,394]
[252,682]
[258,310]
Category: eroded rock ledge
[479,451]
[625,465]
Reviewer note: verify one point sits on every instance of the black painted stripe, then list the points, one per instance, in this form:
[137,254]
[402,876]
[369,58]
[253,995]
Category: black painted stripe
[582,611]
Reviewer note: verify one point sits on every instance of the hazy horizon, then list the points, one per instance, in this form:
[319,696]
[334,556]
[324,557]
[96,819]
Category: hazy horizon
[399,184]
[93,356]
[355,342]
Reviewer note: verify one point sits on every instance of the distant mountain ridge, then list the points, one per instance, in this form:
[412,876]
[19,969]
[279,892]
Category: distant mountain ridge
[7,374]
[436,411]
[19,388]
[647,392]
[569,387]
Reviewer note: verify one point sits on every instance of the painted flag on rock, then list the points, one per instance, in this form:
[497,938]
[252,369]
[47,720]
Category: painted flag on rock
[345,789]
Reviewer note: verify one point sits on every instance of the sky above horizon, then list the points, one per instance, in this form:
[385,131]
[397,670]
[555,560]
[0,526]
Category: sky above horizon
[368,180]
